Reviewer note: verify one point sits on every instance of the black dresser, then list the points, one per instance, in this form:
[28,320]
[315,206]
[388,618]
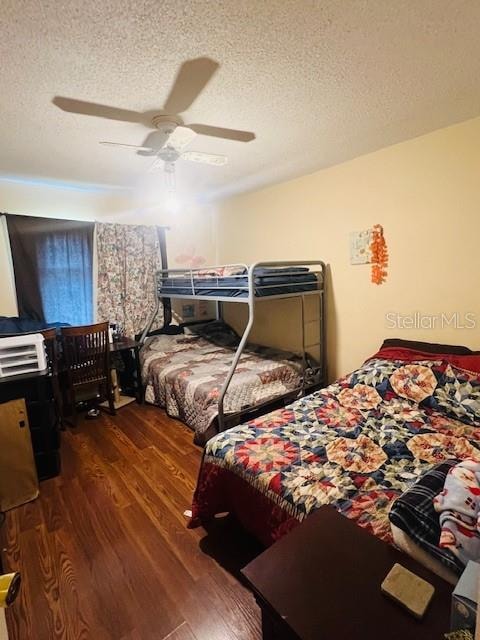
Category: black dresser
[43,419]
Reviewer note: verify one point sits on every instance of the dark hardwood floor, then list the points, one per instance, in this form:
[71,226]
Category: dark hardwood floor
[105,554]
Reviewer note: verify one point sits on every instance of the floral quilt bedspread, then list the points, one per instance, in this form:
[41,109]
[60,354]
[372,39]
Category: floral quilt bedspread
[184,374]
[357,445]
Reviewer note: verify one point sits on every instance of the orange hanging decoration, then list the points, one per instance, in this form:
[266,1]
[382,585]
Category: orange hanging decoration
[378,248]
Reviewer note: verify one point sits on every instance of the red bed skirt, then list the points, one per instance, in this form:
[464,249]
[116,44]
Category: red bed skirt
[219,490]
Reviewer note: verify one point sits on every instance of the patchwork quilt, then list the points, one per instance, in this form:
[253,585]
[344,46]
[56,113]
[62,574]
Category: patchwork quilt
[185,373]
[357,445]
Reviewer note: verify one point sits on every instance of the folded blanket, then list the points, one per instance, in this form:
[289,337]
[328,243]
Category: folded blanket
[414,513]
[220,272]
[459,507]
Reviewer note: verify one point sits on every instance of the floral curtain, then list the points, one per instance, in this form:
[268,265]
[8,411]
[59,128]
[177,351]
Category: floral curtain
[128,256]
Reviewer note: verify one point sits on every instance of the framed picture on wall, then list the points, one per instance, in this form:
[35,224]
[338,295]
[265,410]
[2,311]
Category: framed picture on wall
[360,242]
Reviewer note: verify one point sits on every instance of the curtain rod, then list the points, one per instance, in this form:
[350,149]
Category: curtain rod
[127,224]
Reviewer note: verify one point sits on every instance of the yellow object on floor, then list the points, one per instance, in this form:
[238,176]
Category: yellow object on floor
[9,587]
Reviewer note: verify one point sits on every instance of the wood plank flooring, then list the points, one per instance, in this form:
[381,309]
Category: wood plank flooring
[105,554]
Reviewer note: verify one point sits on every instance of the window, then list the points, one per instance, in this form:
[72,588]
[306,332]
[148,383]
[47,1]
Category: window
[64,263]
[52,261]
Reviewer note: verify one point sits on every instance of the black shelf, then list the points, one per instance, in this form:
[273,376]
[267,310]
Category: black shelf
[37,390]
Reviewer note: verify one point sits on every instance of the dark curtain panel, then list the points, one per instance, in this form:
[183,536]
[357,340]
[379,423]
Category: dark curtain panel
[24,256]
[166,302]
[52,261]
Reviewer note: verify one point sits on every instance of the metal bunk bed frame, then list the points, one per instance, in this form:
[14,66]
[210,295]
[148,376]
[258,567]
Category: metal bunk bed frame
[317,375]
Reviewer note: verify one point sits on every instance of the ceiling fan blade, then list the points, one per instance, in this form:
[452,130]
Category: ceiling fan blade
[106,143]
[153,143]
[98,110]
[181,137]
[206,158]
[157,165]
[191,79]
[220,132]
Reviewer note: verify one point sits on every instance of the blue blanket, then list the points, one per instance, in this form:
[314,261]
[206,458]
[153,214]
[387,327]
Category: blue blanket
[13,325]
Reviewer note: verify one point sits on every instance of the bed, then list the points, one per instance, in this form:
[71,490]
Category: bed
[184,373]
[358,444]
[232,281]
[208,405]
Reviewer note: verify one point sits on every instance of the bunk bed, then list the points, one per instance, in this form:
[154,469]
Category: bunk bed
[169,357]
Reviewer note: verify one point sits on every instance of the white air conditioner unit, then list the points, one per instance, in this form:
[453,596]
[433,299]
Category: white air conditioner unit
[22,354]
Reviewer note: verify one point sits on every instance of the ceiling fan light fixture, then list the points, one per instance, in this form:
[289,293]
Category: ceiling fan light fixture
[170,178]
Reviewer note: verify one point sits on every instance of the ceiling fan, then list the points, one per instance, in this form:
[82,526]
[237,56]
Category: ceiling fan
[170,134]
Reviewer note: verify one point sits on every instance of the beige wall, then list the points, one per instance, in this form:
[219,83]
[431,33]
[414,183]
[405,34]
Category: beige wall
[426,194]
[190,229]
[8,300]
[44,199]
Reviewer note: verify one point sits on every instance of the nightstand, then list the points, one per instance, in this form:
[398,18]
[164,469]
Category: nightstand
[322,581]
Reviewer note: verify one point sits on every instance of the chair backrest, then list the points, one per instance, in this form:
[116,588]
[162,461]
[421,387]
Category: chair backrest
[86,353]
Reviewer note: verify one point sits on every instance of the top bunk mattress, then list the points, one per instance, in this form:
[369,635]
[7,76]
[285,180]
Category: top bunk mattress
[268,281]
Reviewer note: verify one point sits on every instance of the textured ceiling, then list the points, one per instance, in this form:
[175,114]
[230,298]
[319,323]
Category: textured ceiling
[319,82]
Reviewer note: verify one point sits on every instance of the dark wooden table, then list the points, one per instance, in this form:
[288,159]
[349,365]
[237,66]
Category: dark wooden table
[322,581]
[128,344]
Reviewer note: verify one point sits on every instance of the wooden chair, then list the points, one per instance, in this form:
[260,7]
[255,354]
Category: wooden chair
[86,354]
[51,348]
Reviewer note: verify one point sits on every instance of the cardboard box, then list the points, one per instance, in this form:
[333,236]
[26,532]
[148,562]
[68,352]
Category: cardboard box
[465,598]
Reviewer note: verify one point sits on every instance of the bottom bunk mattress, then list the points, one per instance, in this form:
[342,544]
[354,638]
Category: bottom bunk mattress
[185,373]
[357,445]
